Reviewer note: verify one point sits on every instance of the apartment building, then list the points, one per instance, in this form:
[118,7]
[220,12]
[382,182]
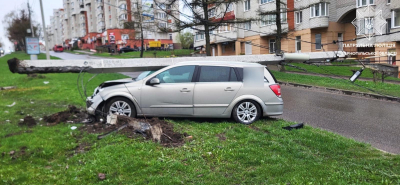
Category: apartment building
[56,29]
[308,26]
[89,23]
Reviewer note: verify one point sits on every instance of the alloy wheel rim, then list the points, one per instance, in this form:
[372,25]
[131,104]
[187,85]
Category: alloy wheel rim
[247,112]
[120,108]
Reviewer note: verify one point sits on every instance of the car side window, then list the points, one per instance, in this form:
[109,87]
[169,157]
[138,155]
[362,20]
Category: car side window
[181,74]
[217,74]
[233,76]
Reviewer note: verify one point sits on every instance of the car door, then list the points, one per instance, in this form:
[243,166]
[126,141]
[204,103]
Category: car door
[173,96]
[214,90]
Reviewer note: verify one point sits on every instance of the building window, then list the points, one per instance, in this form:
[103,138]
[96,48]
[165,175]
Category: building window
[298,44]
[123,7]
[162,6]
[162,15]
[388,1]
[272,43]
[246,5]
[170,36]
[388,25]
[211,13]
[122,17]
[361,3]
[271,19]
[125,37]
[396,18]
[318,44]
[299,17]
[247,26]
[224,28]
[199,36]
[319,9]
[266,1]
[162,25]
[229,8]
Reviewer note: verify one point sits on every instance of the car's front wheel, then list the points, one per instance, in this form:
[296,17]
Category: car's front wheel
[121,106]
[246,112]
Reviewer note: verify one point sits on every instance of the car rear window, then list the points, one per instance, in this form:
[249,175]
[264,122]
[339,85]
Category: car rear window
[217,74]
[59,46]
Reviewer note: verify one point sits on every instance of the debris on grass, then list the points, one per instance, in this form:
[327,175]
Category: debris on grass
[46,82]
[11,104]
[101,176]
[73,115]
[296,126]
[73,127]
[221,137]
[34,75]
[151,129]
[8,88]
[28,121]
[17,133]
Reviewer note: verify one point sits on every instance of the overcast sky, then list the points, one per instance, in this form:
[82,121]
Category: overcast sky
[48,6]
[8,5]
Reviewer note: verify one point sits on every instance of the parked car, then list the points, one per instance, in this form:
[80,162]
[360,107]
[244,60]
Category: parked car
[192,89]
[58,49]
[127,49]
[1,52]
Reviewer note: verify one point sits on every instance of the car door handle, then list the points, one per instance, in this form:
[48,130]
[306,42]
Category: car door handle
[185,90]
[229,89]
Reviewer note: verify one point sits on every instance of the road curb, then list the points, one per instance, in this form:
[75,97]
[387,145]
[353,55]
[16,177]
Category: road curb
[341,91]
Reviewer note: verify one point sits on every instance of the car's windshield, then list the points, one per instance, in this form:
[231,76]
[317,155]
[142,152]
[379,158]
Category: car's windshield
[59,46]
[144,75]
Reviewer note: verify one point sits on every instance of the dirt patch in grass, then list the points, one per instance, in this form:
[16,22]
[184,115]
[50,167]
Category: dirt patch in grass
[71,115]
[169,137]
[14,154]
[258,129]
[17,133]
[221,136]
[34,75]
[28,121]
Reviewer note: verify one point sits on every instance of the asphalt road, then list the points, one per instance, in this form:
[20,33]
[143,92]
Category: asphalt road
[372,121]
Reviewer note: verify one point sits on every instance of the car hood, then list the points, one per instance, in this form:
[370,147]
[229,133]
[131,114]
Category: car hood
[116,82]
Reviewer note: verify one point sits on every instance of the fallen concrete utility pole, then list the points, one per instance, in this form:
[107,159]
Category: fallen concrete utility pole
[150,64]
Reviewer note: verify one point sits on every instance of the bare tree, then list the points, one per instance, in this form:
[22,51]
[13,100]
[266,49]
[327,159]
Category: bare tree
[16,24]
[1,43]
[205,16]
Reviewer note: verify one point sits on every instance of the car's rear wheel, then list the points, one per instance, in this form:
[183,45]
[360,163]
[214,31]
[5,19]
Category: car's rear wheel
[121,106]
[246,112]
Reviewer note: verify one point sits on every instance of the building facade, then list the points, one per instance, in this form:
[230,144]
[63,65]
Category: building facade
[309,26]
[89,23]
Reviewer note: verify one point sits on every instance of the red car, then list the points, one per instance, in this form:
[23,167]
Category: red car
[58,49]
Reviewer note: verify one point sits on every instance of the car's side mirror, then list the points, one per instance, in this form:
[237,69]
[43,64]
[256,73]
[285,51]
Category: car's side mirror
[154,81]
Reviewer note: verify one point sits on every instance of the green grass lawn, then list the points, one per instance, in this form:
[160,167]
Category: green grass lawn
[262,153]
[385,88]
[149,54]
[335,70]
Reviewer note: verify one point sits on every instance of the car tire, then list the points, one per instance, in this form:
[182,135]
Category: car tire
[246,112]
[120,106]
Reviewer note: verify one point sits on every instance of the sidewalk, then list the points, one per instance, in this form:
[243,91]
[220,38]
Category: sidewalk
[341,77]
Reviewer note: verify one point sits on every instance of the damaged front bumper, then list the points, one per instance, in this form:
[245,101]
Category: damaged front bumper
[92,104]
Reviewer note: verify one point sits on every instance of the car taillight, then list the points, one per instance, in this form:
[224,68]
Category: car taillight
[277,89]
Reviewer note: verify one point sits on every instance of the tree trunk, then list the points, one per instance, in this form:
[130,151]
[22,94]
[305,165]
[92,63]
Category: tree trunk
[207,29]
[278,27]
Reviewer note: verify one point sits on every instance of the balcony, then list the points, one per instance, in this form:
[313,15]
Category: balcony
[319,22]
[394,4]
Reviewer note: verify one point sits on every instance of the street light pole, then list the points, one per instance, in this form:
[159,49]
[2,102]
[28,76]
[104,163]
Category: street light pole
[45,32]
[33,57]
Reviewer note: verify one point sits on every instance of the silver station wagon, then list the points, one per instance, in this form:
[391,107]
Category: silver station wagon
[193,89]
